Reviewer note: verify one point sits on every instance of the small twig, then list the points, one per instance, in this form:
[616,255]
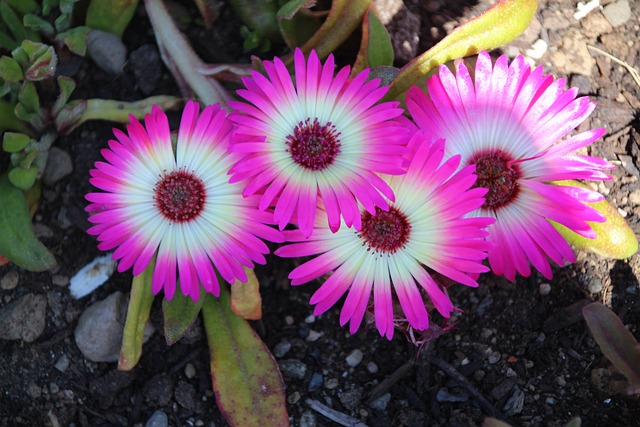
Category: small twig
[333,415]
[182,362]
[634,73]
[386,384]
[453,373]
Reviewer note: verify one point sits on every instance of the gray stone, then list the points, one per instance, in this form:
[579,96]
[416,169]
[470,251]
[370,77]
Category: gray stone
[107,51]
[515,404]
[372,367]
[443,395]
[308,419]
[63,363]
[634,197]
[617,13]
[316,381]
[351,398]
[293,368]
[10,280]
[58,166]
[354,358]
[185,395]
[147,67]
[281,349]
[158,419]
[23,319]
[99,331]
[381,402]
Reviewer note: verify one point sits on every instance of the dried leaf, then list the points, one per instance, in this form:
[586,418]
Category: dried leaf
[616,342]
[245,297]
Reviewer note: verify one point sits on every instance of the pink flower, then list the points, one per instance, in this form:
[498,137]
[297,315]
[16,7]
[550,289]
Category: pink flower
[177,205]
[425,227]
[323,137]
[510,124]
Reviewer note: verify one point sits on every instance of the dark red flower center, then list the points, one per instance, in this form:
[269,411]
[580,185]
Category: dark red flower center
[385,231]
[180,196]
[497,172]
[314,146]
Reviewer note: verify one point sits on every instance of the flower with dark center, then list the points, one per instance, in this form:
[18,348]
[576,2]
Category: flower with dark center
[513,123]
[177,206]
[389,256]
[325,137]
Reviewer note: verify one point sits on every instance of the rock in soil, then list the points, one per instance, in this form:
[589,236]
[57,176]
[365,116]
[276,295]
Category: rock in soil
[23,319]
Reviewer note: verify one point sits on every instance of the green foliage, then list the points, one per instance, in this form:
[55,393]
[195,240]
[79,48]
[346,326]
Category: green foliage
[246,380]
[616,342]
[179,314]
[138,312]
[111,15]
[17,240]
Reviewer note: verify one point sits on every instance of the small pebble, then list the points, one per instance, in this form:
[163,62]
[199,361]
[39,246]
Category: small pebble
[545,289]
[313,336]
[331,383]
[381,402]
[595,285]
[310,319]
[444,396]
[293,368]
[10,280]
[561,381]
[288,320]
[550,400]
[158,419]
[53,388]
[494,357]
[281,349]
[189,370]
[316,381]
[293,398]
[354,358]
[63,363]
[511,373]
[372,367]
[308,419]
[60,280]
[479,375]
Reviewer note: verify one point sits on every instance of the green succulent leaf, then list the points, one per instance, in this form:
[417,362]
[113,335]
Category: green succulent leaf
[10,70]
[17,240]
[66,86]
[36,23]
[616,342]
[111,15]
[75,39]
[246,381]
[70,116]
[6,41]
[9,120]
[179,313]
[614,237]
[24,7]
[23,178]
[12,21]
[259,16]
[375,47]
[496,26]
[296,25]
[43,64]
[28,97]
[13,142]
[49,5]
[138,312]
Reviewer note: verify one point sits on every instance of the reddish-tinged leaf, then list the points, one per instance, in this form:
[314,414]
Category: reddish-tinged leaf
[246,381]
[245,297]
[375,47]
[138,311]
[616,342]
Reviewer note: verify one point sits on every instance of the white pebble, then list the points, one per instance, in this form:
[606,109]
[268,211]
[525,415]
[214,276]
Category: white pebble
[354,358]
[583,9]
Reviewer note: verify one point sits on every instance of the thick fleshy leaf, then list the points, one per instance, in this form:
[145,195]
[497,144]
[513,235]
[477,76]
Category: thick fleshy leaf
[43,61]
[616,342]
[36,23]
[344,17]
[111,15]
[179,313]
[66,85]
[245,297]
[615,239]
[23,178]
[28,98]
[13,142]
[24,6]
[259,16]
[10,70]
[376,49]
[138,311]
[75,39]
[9,120]
[497,26]
[17,240]
[246,381]
[296,25]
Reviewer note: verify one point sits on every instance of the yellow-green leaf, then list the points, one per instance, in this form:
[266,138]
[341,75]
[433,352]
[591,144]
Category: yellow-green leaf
[245,297]
[111,15]
[138,311]
[615,239]
[497,26]
[246,381]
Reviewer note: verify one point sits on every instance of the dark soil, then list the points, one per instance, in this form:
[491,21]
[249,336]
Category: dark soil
[517,352]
